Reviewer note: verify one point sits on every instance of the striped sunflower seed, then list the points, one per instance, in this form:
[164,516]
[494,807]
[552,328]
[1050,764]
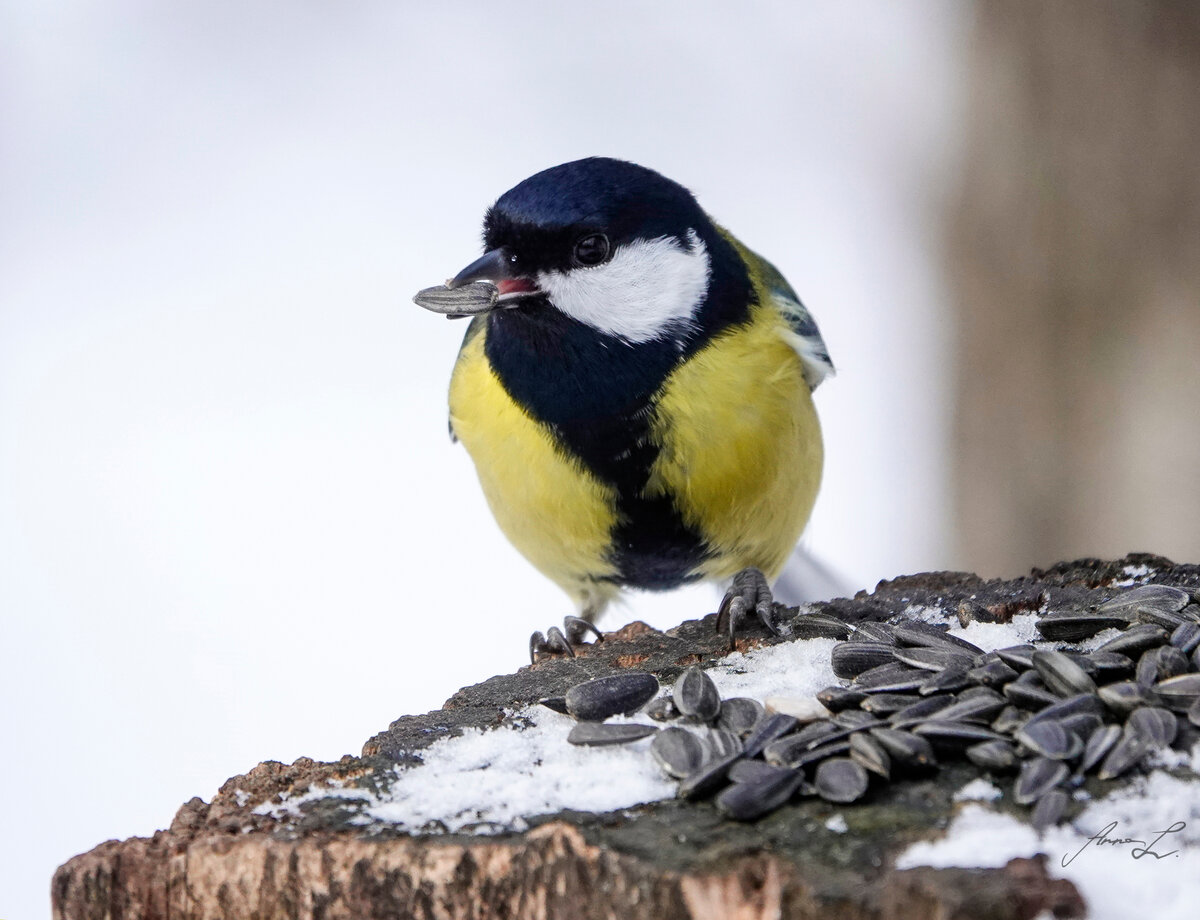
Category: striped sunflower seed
[594,734]
[620,694]
[751,800]
[1037,777]
[696,695]
[739,714]
[677,751]
[1060,674]
[841,780]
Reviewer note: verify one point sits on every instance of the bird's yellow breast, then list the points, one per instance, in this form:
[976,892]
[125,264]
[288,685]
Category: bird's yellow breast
[741,450]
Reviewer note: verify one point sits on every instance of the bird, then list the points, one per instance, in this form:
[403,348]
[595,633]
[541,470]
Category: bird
[635,390]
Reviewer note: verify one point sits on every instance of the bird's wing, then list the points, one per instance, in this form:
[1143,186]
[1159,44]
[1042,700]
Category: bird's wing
[805,336]
[475,327]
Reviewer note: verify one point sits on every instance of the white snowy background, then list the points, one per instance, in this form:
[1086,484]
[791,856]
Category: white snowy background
[232,526]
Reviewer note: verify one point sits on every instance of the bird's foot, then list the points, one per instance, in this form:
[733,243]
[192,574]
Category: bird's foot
[748,596]
[561,641]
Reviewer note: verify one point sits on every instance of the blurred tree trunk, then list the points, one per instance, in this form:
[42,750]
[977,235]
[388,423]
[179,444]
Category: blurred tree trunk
[1074,260]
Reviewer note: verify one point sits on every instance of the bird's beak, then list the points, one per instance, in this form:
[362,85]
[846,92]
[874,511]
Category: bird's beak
[486,284]
[496,267]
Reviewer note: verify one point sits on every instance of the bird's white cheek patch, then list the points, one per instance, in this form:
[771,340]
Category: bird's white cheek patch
[647,289]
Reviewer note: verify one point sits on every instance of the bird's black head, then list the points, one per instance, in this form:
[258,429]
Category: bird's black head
[578,214]
[610,244]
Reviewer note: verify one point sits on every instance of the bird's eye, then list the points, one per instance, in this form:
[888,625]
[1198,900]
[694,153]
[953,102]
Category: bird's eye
[592,249]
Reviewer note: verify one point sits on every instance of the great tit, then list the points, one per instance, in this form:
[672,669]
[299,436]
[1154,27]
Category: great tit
[636,393]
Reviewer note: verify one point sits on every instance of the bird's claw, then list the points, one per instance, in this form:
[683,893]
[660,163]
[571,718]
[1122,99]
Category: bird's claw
[749,595]
[561,641]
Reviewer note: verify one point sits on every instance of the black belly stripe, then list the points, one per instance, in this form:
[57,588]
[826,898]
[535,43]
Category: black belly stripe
[595,393]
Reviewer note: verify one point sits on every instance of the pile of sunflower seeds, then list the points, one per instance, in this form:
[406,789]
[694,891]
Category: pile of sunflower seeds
[912,694]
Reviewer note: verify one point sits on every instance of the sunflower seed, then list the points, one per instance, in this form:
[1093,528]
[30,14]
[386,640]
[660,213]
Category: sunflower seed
[818,626]
[947,732]
[835,699]
[1155,725]
[1081,724]
[1170,662]
[1084,661]
[1037,777]
[890,678]
[855,718]
[600,733]
[739,714]
[677,751]
[935,658]
[982,693]
[906,749]
[1060,674]
[882,704]
[1125,696]
[620,694]
[1049,739]
[748,801]
[921,710]
[1108,664]
[998,756]
[767,730]
[1017,656]
[1129,749]
[708,778]
[751,771]
[477,297]
[1099,743]
[815,733]
[1083,702]
[695,695]
[975,708]
[993,674]
[1136,639]
[1050,808]
[783,752]
[950,679]
[1180,691]
[881,673]
[1193,713]
[870,754]
[875,632]
[1073,627]
[1186,636]
[818,754]
[1029,695]
[1166,597]
[849,659]
[1167,619]
[915,632]
[556,703]
[1146,672]
[840,779]
[721,743]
